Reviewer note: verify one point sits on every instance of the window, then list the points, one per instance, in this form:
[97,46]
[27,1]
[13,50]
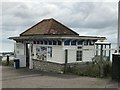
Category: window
[59,42]
[91,43]
[79,47]
[54,43]
[73,42]
[67,42]
[45,42]
[80,42]
[41,42]
[85,42]
[79,56]
[34,42]
[37,42]
[49,52]
[50,42]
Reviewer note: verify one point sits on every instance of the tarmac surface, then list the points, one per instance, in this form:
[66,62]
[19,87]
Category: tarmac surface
[25,78]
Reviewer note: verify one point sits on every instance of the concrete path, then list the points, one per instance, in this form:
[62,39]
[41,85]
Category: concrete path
[25,78]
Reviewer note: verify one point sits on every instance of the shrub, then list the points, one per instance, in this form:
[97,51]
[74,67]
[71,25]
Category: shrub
[91,69]
[11,63]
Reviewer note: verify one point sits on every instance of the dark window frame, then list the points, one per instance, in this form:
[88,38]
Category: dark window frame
[79,55]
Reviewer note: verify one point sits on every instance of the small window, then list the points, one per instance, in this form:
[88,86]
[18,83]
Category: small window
[79,47]
[59,42]
[80,42]
[45,42]
[54,43]
[85,42]
[67,42]
[34,42]
[50,42]
[91,43]
[41,42]
[37,42]
[79,56]
[73,42]
[49,52]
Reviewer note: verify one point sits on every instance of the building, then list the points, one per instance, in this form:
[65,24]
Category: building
[51,42]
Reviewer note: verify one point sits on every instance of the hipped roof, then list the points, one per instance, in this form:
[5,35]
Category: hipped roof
[48,27]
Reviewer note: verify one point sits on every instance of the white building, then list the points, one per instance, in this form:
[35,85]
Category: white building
[47,41]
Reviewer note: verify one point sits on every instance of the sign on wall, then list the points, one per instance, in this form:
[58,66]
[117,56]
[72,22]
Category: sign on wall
[19,49]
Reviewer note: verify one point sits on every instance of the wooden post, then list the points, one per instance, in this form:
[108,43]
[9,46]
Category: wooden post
[66,60]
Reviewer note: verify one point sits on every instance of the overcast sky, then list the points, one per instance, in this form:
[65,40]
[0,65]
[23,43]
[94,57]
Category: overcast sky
[86,18]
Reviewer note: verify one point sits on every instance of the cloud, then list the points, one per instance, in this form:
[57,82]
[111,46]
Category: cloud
[86,18]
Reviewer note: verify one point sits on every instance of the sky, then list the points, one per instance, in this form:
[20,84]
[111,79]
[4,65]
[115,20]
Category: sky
[93,18]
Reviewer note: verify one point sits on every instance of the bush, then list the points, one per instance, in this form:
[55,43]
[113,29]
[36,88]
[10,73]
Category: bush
[107,68]
[91,69]
[11,63]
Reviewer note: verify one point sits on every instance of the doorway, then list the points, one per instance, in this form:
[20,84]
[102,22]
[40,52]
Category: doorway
[27,54]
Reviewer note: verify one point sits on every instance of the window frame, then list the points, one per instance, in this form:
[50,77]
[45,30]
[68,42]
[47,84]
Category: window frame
[79,55]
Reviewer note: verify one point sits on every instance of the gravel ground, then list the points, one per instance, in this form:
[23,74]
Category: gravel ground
[25,78]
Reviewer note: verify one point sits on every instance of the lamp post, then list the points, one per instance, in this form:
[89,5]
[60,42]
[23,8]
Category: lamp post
[118,27]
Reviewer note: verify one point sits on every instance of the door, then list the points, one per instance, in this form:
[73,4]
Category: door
[20,53]
[27,54]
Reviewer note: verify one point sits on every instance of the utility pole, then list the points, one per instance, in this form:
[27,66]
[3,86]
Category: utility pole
[118,27]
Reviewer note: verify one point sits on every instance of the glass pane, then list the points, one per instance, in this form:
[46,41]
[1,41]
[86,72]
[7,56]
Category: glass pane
[37,42]
[79,56]
[59,42]
[45,42]
[67,42]
[34,42]
[85,42]
[54,43]
[73,42]
[50,42]
[41,42]
[80,42]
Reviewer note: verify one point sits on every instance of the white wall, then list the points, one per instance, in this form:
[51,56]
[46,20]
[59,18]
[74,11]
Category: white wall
[71,55]
[88,53]
[58,53]
[20,53]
